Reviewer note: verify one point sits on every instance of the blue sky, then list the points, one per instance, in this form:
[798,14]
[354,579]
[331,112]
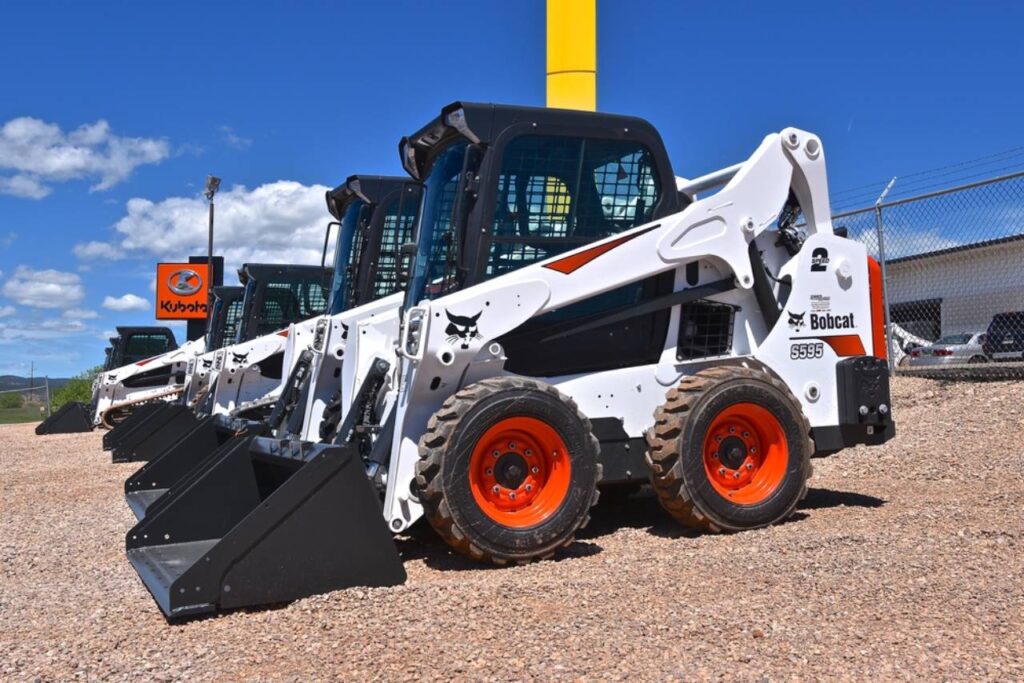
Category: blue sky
[112,114]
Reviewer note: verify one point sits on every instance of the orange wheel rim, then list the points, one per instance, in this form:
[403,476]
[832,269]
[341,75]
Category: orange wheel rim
[519,472]
[746,454]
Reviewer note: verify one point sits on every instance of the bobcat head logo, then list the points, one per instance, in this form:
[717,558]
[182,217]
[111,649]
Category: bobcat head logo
[796,320]
[462,329]
[207,362]
[239,358]
[344,331]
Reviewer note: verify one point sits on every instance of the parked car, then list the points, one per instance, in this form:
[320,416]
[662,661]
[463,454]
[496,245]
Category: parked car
[1006,336]
[953,349]
[903,342]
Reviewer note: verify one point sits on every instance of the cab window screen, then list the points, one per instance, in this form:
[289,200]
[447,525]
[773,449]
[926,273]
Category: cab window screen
[145,345]
[232,319]
[397,231]
[558,193]
[288,302]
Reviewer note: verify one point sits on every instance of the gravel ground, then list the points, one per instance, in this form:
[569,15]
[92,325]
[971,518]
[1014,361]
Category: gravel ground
[904,562]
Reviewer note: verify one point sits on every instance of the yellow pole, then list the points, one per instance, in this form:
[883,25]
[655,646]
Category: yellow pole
[572,54]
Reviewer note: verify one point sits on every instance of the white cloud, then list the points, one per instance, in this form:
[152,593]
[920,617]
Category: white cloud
[54,328]
[233,139]
[80,314]
[40,153]
[7,240]
[279,222]
[23,186]
[44,288]
[126,302]
[6,311]
[98,250]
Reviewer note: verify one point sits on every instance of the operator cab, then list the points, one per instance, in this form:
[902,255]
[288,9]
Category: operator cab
[223,321]
[139,343]
[509,186]
[275,296]
[369,241]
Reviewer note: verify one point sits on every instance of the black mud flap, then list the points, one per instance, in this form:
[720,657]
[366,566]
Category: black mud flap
[269,522]
[71,418]
[114,435]
[151,437]
[185,460]
[118,432]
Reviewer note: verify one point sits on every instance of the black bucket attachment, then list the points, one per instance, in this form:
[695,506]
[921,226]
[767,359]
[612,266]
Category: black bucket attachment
[153,435]
[271,521]
[71,418]
[178,463]
[113,437]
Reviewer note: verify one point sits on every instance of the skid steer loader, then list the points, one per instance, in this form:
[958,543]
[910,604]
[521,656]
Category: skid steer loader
[140,344]
[574,316]
[275,296]
[374,218]
[221,326]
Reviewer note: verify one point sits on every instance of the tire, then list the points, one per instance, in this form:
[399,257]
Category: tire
[729,450]
[508,470]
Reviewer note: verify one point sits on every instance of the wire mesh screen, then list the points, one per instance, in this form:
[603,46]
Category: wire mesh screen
[397,231]
[557,193]
[955,291]
[705,330]
[231,321]
[287,302]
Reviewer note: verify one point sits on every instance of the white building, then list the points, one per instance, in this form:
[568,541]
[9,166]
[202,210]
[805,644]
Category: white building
[956,290]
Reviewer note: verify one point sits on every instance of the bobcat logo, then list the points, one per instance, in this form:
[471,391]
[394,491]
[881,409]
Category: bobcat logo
[239,358]
[462,328]
[344,331]
[207,363]
[796,320]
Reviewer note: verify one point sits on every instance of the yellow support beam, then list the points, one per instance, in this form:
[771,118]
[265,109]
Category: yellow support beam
[572,54]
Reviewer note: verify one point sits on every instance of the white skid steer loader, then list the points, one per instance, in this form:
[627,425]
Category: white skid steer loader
[375,216]
[574,317]
[275,295]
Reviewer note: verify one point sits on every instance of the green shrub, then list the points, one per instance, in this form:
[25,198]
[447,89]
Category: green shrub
[11,401]
[78,388]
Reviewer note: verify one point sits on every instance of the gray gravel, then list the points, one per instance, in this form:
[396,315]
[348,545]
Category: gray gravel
[904,562]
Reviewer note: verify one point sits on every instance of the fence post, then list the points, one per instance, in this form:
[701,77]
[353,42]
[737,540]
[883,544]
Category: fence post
[885,280]
[47,380]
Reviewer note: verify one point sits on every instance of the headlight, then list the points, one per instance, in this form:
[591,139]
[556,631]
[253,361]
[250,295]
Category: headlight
[320,335]
[414,330]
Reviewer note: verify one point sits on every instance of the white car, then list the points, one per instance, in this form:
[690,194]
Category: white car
[953,349]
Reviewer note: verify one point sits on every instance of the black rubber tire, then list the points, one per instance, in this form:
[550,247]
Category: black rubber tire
[676,441]
[442,474]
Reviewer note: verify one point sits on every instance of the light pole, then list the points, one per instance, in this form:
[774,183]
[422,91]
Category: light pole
[212,185]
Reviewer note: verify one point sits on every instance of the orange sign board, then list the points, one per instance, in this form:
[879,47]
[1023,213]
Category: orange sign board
[181,291]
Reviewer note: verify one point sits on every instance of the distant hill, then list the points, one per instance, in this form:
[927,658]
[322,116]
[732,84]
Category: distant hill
[16,382]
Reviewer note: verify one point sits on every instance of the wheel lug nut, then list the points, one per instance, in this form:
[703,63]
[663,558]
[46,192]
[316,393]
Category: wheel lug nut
[512,496]
[496,489]
[753,449]
[732,430]
[721,470]
[749,466]
[535,469]
[489,471]
[746,435]
[495,454]
[511,445]
[527,452]
[529,487]
[718,439]
[735,475]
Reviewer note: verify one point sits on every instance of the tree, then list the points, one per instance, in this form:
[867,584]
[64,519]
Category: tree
[11,401]
[78,388]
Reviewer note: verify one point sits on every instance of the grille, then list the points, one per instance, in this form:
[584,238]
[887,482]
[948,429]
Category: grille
[705,330]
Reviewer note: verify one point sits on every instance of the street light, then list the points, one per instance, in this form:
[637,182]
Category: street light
[212,185]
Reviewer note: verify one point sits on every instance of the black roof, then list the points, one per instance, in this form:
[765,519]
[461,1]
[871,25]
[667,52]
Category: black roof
[956,249]
[131,329]
[257,271]
[482,123]
[228,292]
[370,188]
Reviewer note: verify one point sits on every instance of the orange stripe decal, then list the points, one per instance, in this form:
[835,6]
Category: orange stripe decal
[845,344]
[282,333]
[875,286]
[574,262]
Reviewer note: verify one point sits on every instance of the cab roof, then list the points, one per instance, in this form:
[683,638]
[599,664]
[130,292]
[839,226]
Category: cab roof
[370,188]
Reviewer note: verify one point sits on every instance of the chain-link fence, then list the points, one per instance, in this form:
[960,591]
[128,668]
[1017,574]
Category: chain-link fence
[954,268]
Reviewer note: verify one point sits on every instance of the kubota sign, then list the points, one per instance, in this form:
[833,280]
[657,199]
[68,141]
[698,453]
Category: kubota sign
[181,291]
